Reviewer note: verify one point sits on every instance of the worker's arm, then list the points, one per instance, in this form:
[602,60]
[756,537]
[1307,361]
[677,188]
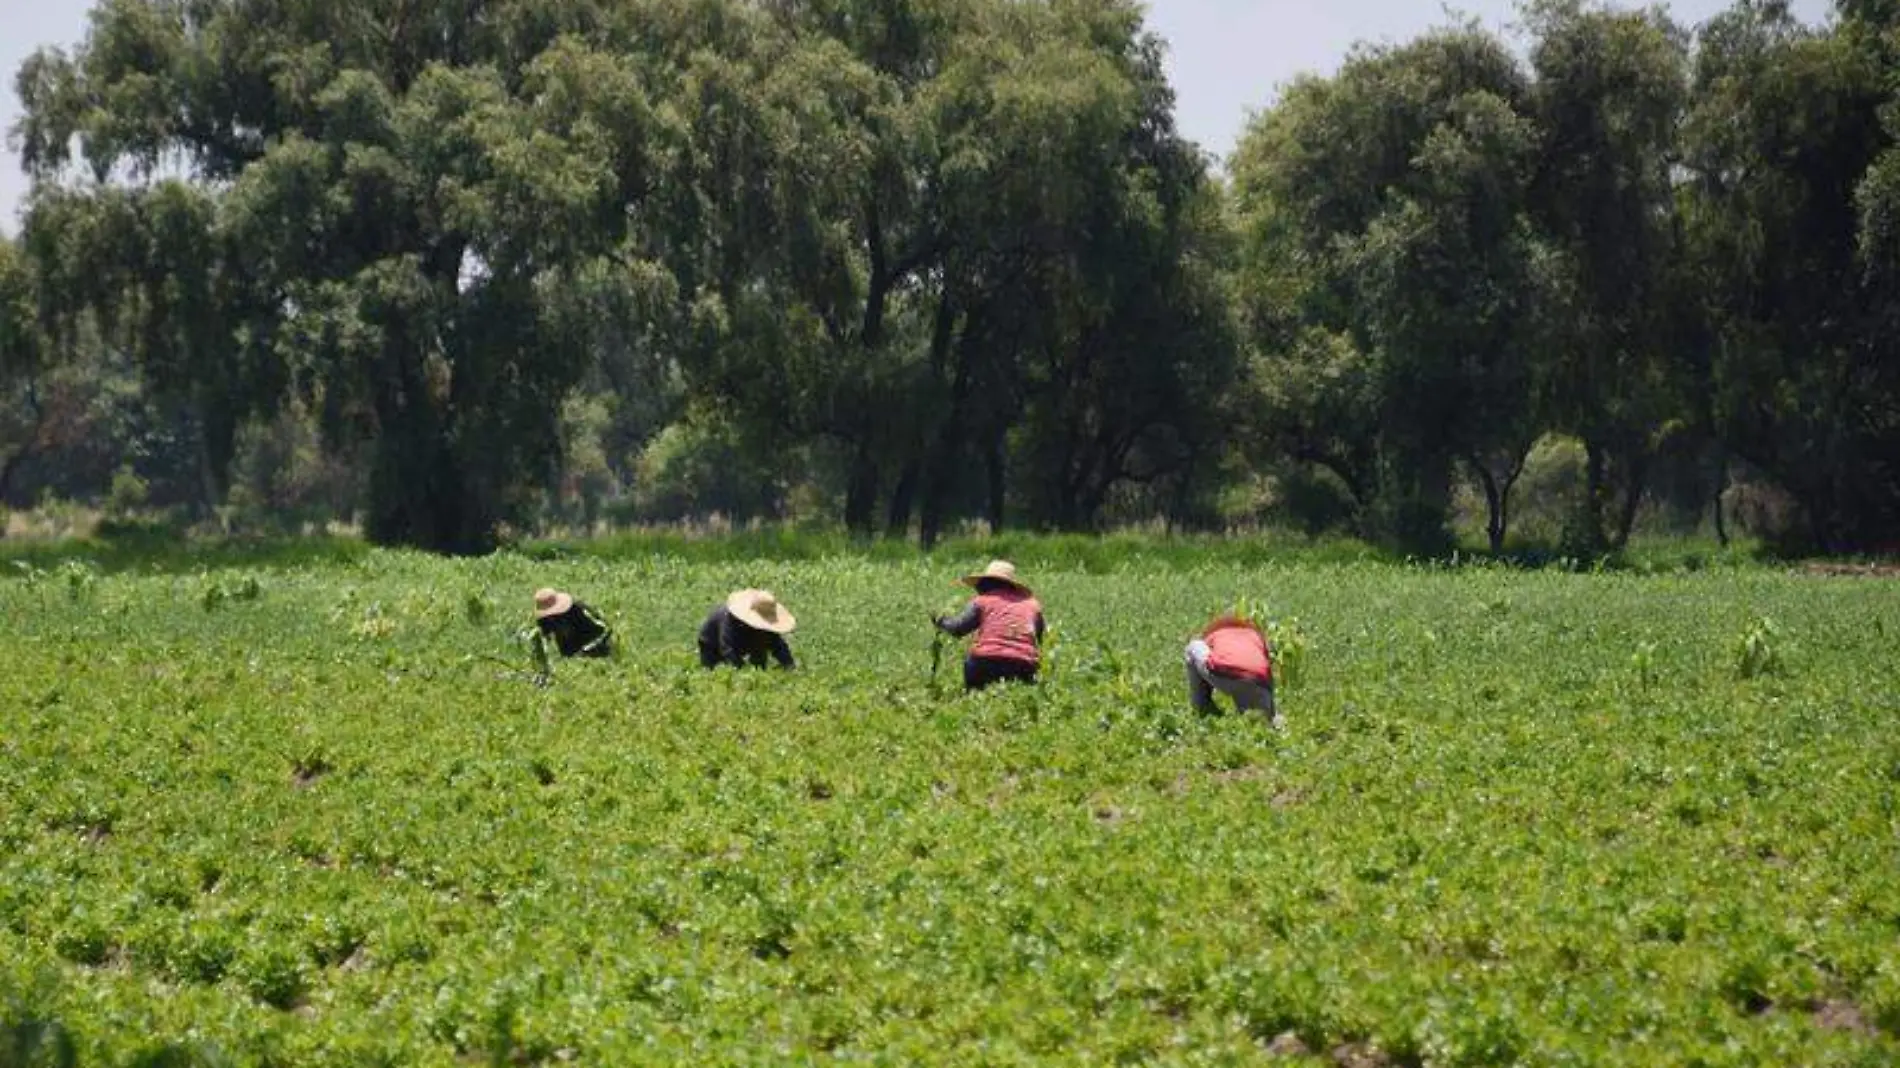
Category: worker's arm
[1039,628]
[782,652]
[962,623]
[731,651]
[538,656]
[600,639]
[709,639]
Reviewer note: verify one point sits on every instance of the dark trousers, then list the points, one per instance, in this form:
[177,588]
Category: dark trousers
[980,671]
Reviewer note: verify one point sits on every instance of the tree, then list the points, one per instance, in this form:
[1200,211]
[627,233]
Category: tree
[933,219]
[1451,283]
[140,268]
[1392,275]
[20,339]
[1129,380]
[409,214]
[1874,512]
[21,348]
[1608,98]
[1785,130]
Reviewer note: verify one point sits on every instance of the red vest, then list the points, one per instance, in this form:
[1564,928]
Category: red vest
[1238,651]
[1007,630]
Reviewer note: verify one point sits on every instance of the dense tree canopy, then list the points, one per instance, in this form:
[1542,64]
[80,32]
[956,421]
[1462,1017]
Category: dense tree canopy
[1656,244]
[913,261]
[1387,214]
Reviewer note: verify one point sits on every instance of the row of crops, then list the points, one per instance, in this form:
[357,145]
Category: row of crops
[317,815]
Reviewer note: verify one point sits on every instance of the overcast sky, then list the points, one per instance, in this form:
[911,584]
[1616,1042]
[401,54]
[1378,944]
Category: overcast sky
[1227,57]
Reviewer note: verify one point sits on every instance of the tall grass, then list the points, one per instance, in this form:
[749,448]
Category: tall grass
[1092,553]
[159,550]
[162,550]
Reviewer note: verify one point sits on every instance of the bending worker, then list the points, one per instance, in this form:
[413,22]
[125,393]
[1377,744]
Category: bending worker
[1232,656]
[574,628]
[742,631]
[1008,623]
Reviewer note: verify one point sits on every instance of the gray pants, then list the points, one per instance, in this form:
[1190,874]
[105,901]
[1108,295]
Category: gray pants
[1247,694]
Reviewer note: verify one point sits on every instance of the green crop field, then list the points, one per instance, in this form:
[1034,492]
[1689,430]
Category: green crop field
[301,815]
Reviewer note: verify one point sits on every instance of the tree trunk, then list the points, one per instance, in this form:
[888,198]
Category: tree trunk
[1594,489]
[1494,502]
[995,465]
[930,517]
[1178,502]
[1721,487]
[218,426]
[860,494]
[1632,502]
[1818,524]
[422,493]
[28,447]
[210,495]
[940,462]
[8,469]
[940,483]
[903,500]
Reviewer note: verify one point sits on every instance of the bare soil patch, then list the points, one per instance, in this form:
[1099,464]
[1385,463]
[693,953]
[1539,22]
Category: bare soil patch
[304,776]
[1288,1044]
[1360,1055]
[1250,773]
[1839,1014]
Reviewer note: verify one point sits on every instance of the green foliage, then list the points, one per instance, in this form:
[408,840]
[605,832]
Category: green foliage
[223,590]
[407,234]
[78,577]
[28,1041]
[272,974]
[247,836]
[1643,663]
[1291,649]
[903,265]
[128,493]
[1551,489]
[1759,650]
[21,342]
[539,659]
[1396,327]
[477,608]
[1287,639]
[1787,141]
[705,467]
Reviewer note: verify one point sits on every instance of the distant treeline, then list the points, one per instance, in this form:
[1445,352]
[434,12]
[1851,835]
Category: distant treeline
[450,267]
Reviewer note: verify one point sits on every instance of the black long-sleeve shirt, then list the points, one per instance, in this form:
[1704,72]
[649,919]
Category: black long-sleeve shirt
[579,631]
[725,640]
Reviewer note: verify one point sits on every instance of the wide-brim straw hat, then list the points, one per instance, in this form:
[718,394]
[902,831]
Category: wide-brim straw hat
[760,610]
[998,571]
[549,602]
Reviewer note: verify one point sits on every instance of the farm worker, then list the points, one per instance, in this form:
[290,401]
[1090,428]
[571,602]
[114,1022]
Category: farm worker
[574,628]
[1232,656]
[749,625]
[1007,620]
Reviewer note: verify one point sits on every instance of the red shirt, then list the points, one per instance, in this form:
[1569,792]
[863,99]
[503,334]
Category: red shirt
[1006,628]
[1238,650]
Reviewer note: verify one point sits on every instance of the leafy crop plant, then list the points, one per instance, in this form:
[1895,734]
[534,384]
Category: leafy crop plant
[318,826]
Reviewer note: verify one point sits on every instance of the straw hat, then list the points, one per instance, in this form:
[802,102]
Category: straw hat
[1000,571]
[760,610]
[549,602]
